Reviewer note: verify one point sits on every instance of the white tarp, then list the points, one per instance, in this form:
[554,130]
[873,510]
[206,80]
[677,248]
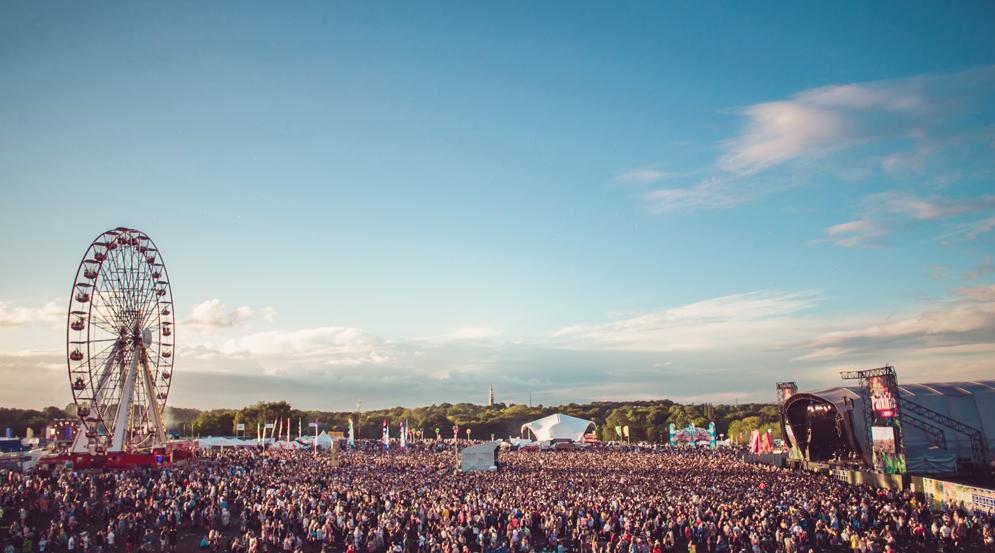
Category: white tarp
[478,457]
[558,427]
[324,440]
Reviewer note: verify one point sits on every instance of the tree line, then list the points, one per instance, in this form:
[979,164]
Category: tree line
[647,420]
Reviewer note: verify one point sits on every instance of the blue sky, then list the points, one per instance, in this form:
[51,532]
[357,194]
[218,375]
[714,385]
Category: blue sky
[406,203]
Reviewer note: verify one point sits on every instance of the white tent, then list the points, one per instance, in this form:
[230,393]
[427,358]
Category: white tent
[324,440]
[285,445]
[479,457]
[558,427]
[222,442]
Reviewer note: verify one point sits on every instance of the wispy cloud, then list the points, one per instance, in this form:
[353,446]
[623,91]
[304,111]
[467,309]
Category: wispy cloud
[894,126]
[859,233]
[314,347]
[462,334]
[725,322]
[881,212]
[213,314]
[708,194]
[956,322]
[644,175]
[970,231]
[929,208]
[818,121]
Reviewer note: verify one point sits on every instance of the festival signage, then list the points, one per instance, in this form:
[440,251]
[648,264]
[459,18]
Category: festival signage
[883,400]
[886,430]
[949,496]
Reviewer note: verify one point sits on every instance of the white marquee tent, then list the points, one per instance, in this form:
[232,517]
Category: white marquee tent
[558,427]
[478,457]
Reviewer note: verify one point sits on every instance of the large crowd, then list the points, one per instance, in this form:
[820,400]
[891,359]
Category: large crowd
[597,501]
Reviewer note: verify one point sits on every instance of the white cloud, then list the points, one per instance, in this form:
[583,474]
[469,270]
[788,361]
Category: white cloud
[213,314]
[323,346]
[51,312]
[780,131]
[863,232]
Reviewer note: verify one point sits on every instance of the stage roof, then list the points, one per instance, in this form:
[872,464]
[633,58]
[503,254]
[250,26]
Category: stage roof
[558,427]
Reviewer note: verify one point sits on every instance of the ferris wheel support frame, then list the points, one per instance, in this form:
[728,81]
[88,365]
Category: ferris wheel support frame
[124,408]
[81,440]
[152,407]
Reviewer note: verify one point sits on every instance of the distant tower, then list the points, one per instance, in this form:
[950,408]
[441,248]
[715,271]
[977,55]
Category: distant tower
[490,396]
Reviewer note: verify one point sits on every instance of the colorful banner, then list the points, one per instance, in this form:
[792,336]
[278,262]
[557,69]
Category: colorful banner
[712,440]
[352,435]
[949,496]
[673,435]
[386,435]
[618,430]
[404,434]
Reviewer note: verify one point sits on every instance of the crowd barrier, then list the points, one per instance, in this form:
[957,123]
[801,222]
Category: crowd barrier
[950,495]
[775,459]
[876,479]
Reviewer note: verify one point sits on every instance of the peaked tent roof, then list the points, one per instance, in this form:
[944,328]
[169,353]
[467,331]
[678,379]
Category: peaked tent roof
[558,427]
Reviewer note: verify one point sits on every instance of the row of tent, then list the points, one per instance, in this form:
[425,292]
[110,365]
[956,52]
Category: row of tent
[210,442]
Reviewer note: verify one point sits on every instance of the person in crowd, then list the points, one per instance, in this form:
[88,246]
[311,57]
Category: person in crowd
[601,500]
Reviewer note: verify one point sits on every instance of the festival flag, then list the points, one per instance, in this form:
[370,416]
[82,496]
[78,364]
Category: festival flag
[288,429]
[279,429]
[404,434]
[259,433]
[625,430]
[386,435]
[300,427]
[352,434]
[712,441]
[618,430]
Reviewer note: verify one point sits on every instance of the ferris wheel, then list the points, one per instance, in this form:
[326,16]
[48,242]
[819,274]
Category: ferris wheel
[119,343]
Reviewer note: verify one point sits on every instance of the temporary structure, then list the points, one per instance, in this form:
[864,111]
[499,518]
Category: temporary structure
[558,427]
[479,457]
[323,440]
